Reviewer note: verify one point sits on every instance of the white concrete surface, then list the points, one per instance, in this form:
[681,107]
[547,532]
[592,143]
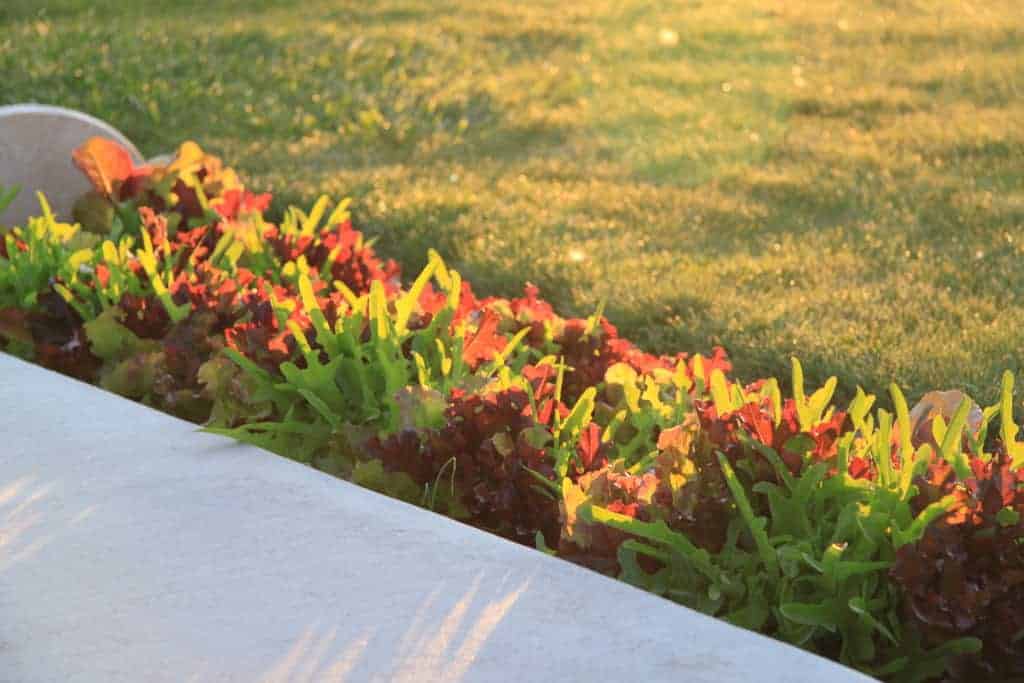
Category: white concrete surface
[36,142]
[133,548]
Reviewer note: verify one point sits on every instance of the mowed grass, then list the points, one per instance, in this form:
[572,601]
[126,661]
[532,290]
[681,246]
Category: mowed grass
[839,181]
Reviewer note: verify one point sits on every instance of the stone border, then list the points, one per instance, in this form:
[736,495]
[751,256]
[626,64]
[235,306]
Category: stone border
[36,142]
[135,548]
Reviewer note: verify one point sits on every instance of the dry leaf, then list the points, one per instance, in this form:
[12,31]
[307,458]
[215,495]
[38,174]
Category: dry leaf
[105,163]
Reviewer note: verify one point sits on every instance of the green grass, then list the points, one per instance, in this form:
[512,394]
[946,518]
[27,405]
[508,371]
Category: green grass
[842,181]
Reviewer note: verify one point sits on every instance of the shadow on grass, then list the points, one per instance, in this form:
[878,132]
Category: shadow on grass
[531,44]
[203,10]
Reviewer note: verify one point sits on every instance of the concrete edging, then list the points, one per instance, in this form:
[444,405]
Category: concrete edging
[135,548]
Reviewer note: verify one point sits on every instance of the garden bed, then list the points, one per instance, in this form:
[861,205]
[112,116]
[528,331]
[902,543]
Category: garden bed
[889,542]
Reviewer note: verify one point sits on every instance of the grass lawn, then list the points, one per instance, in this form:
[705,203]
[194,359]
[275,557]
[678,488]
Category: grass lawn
[841,181]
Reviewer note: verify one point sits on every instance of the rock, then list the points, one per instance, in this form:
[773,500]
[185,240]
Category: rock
[36,142]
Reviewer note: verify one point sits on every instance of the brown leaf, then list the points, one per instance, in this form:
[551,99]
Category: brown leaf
[676,439]
[941,403]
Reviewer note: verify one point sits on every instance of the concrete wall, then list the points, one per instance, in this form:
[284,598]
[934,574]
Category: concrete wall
[36,142]
[134,548]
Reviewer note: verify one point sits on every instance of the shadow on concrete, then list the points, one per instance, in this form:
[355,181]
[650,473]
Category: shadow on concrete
[441,641]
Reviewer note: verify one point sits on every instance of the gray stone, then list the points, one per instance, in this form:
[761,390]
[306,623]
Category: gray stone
[135,548]
[36,142]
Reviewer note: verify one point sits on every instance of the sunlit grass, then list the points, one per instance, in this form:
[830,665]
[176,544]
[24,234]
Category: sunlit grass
[843,181]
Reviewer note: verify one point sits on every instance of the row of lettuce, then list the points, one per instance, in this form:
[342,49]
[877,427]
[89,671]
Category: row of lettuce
[891,542]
